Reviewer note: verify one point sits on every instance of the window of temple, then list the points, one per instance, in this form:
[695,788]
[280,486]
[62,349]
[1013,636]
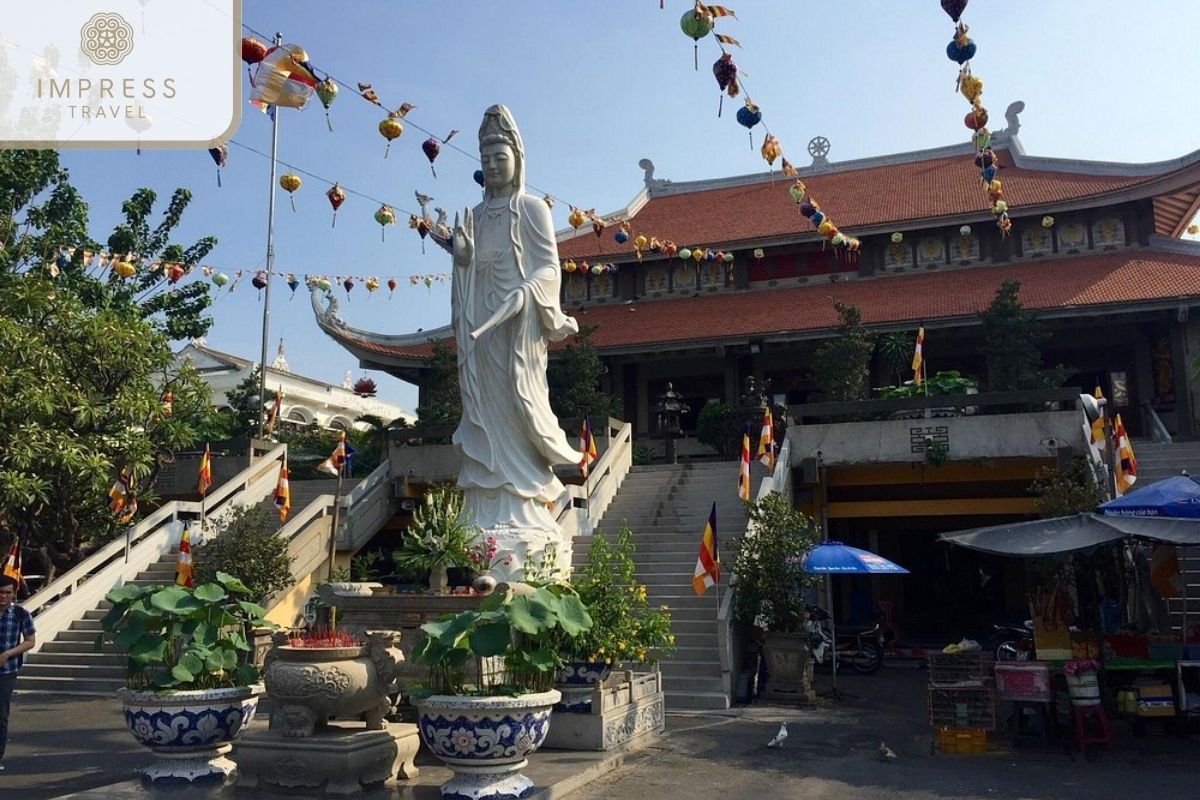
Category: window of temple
[685,276]
[898,256]
[964,250]
[1072,237]
[602,287]
[1108,233]
[1036,240]
[339,424]
[658,280]
[714,275]
[931,251]
[575,288]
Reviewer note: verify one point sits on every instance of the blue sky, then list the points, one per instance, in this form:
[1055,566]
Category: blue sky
[597,86]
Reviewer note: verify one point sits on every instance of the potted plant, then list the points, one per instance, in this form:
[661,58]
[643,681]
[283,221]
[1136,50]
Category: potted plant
[626,630]
[484,731]
[941,384]
[437,539]
[769,591]
[1083,681]
[192,688]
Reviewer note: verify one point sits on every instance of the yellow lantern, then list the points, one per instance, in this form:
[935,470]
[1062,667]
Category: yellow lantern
[1193,229]
[827,229]
[576,219]
[971,88]
[390,129]
[570,266]
[640,242]
[372,284]
[124,269]
[290,182]
[697,254]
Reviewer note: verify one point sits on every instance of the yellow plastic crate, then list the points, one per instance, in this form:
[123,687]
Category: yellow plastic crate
[967,741]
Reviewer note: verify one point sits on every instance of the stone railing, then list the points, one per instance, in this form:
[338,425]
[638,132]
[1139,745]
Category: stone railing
[84,586]
[582,506]
[728,646]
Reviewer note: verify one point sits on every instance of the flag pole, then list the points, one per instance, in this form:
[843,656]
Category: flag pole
[266,318]
[333,525]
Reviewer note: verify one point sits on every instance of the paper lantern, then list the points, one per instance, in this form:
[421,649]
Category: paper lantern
[1191,229]
[817,218]
[219,155]
[725,71]
[598,269]
[621,236]
[748,116]
[323,284]
[797,190]
[758,252]
[290,182]
[981,138]
[431,147]
[960,50]
[124,269]
[385,216]
[327,92]
[348,284]
[175,272]
[976,118]
[838,239]
[391,284]
[570,266]
[1048,222]
[336,196]
[971,88]
[965,230]
[390,129]
[808,208]
[293,283]
[670,248]
[696,23]
[897,237]
[954,8]
[697,255]
[640,242]
[259,281]
[576,218]
[685,254]
[1000,207]
[478,176]
[253,50]
[220,279]
[372,284]
[827,228]
[729,258]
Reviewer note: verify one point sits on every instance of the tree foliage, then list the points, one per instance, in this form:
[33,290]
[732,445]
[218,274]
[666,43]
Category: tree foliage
[1012,344]
[717,426]
[81,399]
[444,405]
[248,541]
[766,565]
[574,378]
[842,369]
[40,211]
[247,407]
[1060,493]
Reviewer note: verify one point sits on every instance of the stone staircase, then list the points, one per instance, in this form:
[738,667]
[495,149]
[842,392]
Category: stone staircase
[70,663]
[1157,461]
[666,508]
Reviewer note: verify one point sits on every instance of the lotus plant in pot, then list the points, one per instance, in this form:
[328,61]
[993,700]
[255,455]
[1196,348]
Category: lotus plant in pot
[484,732]
[191,685]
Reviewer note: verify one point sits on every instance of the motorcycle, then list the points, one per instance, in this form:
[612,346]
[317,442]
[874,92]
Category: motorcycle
[1012,642]
[859,648]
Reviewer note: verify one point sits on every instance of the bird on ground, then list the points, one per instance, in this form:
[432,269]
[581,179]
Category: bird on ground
[886,753]
[779,737]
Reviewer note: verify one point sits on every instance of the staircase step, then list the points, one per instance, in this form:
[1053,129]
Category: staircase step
[76,636]
[685,683]
[104,687]
[47,670]
[90,658]
[92,625]
[60,647]
[696,701]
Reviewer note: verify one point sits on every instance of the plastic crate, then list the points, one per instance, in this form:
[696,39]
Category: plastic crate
[1027,682]
[957,669]
[963,707]
[966,741]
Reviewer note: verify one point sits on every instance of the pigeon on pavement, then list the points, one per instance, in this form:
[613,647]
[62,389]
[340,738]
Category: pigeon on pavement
[886,753]
[779,737]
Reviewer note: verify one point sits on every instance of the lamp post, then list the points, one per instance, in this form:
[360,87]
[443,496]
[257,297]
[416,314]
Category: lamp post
[753,403]
[670,408]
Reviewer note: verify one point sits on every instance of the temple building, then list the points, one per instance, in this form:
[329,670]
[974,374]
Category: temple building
[1098,250]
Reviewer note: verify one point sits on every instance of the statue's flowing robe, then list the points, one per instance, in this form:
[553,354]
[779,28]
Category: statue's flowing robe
[509,436]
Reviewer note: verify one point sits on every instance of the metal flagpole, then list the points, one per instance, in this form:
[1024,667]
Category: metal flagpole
[266,320]
[333,525]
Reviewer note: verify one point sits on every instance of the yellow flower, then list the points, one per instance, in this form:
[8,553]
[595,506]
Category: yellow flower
[600,650]
[620,645]
[671,638]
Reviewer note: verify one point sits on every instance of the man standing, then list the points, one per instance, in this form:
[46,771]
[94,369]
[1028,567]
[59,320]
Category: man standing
[16,637]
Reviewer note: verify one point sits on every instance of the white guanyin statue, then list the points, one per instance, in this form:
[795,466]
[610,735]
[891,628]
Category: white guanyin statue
[505,310]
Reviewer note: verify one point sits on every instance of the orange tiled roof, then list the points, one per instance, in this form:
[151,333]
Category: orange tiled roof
[1126,277]
[891,194]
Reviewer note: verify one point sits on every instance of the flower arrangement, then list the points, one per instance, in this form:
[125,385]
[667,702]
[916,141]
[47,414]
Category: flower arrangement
[1081,666]
[484,554]
[625,628]
[438,536]
[519,626]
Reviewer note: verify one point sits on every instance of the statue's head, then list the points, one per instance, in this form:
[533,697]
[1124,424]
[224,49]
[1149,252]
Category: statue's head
[501,153]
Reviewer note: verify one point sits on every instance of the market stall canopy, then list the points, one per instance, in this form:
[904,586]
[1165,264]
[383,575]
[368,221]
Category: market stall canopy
[837,558]
[1046,537]
[1173,497]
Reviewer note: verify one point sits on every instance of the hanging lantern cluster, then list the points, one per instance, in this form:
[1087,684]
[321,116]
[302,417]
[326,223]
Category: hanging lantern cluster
[584,268]
[961,50]
[811,209]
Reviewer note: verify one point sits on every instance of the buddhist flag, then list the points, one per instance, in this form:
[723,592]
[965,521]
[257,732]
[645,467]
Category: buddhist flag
[1126,466]
[283,494]
[708,562]
[283,78]
[720,11]
[337,460]
[918,356]
[587,446]
[118,493]
[205,478]
[273,415]
[183,565]
[1097,435]
[766,441]
[12,564]
[723,39]
[744,467]
[167,403]
[130,510]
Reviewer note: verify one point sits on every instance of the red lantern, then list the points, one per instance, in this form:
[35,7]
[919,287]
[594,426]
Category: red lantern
[976,118]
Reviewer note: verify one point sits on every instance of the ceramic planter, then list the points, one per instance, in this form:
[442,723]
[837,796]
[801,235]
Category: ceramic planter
[789,667]
[485,741]
[576,681]
[190,731]
[308,685]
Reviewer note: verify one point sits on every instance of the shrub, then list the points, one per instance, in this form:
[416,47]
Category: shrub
[248,544]
[717,426]
[766,565]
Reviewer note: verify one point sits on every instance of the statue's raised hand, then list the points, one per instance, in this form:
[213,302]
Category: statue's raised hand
[464,239]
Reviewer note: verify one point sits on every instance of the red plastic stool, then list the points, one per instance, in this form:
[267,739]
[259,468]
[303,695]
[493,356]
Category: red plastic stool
[1091,727]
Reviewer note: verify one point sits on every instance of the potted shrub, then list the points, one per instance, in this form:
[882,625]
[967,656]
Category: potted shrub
[769,591]
[437,539]
[485,731]
[943,383]
[626,630]
[192,688]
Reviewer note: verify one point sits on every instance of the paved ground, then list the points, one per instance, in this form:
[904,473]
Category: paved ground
[63,745]
[832,754]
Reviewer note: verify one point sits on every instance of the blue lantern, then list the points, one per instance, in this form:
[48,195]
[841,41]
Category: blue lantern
[817,218]
[478,176]
[748,116]
[960,53]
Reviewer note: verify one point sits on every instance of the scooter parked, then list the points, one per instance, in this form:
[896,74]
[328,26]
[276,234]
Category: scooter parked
[859,648]
[1012,642]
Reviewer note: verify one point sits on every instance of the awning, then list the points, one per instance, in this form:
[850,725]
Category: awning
[1044,537]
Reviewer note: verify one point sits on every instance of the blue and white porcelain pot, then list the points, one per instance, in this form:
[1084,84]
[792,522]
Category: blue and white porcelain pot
[190,731]
[486,741]
[577,680]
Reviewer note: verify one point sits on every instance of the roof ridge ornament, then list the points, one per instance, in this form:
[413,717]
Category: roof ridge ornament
[648,178]
[818,148]
[1012,115]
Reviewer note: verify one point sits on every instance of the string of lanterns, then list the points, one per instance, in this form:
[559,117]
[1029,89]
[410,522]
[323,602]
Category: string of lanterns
[126,265]
[700,22]
[961,50]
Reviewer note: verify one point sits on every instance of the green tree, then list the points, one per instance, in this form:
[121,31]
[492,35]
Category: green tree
[247,407]
[717,426]
[80,399]
[248,541]
[40,212]
[444,406]
[309,447]
[843,364]
[574,378]
[1012,344]
[895,350]
[1060,493]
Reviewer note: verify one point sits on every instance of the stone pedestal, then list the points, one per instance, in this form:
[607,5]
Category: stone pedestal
[626,711]
[335,761]
[789,668]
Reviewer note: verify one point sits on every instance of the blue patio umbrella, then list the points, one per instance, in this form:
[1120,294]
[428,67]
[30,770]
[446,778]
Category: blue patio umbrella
[1172,497]
[835,558]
